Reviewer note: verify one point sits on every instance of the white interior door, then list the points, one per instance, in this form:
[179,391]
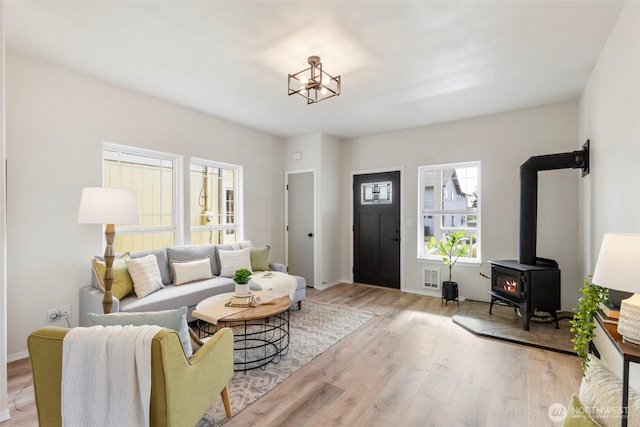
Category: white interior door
[300,227]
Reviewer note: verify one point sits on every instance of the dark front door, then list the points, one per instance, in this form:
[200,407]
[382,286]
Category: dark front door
[376,229]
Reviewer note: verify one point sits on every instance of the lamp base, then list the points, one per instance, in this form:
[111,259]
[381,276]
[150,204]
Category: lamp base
[629,322]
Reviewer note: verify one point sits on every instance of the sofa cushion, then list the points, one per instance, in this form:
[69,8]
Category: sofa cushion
[172,319]
[230,261]
[175,296]
[163,262]
[145,274]
[192,253]
[191,271]
[122,284]
[601,394]
[259,258]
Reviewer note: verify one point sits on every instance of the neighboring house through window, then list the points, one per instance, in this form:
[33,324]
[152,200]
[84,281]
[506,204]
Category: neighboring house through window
[214,194]
[212,207]
[450,201]
[154,176]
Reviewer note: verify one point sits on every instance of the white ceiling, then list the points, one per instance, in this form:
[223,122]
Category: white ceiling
[403,64]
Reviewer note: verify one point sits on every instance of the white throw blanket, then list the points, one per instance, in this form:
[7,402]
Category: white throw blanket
[275,281]
[106,376]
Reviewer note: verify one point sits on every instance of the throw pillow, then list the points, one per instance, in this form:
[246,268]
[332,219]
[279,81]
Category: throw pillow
[145,274]
[191,271]
[601,393]
[122,284]
[259,258]
[230,261]
[171,319]
[577,415]
[163,262]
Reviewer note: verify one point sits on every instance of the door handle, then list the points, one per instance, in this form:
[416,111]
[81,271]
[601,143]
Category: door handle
[310,234]
[396,239]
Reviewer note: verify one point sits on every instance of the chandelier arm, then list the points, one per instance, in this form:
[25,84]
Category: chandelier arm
[314,83]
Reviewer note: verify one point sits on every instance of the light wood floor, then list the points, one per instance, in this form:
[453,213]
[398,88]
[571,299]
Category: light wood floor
[409,366]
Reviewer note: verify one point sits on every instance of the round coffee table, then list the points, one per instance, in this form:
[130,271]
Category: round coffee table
[261,334]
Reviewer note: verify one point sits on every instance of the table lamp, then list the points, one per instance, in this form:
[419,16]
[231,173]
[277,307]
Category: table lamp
[618,267]
[108,206]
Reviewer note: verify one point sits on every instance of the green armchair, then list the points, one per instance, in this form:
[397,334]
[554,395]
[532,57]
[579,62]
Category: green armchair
[181,389]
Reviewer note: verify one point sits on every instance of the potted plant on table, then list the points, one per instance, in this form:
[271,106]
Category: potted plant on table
[451,247]
[242,281]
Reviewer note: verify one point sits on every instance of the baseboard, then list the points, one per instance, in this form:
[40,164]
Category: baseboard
[5,415]
[328,285]
[17,356]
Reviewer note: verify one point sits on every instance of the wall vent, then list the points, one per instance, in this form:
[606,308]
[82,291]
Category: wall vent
[431,279]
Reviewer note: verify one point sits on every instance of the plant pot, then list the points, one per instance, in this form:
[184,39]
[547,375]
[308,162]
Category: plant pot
[242,289]
[450,292]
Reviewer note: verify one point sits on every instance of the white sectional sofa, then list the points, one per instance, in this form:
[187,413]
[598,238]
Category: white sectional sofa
[172,296]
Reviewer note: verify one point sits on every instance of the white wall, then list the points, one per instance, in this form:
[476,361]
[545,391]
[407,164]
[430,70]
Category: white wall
[322,153]
[610,118]
[4,404]
[502,143]
[332,183]
[56,123]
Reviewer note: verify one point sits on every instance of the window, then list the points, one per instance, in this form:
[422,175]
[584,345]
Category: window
[213,203]
[450,201]
[154,176]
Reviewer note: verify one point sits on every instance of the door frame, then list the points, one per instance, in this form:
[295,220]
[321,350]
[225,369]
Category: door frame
[315,220]
[402,222]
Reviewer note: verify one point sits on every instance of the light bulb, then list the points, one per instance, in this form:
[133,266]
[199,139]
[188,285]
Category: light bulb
[304,80]
[326,80]
[323,91]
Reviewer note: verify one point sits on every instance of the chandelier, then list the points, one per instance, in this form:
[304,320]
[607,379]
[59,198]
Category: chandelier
[313,83]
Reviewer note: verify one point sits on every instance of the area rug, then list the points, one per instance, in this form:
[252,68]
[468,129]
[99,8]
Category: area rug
[504,324]
[313,330]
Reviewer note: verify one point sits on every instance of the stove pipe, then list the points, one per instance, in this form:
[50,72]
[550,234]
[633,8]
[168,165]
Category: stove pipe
[529,194]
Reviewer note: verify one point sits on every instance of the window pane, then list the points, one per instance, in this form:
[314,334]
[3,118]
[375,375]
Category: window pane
[450,202]
[203,237]
[153,178]
[137,242]
[213,190]
[470,239]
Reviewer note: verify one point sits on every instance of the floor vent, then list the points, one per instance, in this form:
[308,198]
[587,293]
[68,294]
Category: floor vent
[431,279]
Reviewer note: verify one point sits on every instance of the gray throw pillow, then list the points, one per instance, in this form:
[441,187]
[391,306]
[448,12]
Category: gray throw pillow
[171,319]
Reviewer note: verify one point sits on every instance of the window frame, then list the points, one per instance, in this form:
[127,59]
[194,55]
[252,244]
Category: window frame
[238,226]
[422,212]
[176,220]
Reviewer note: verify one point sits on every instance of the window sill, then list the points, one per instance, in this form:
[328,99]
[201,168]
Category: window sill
[468,263]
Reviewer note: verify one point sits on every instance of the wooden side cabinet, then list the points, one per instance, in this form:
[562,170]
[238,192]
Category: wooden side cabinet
[630,353]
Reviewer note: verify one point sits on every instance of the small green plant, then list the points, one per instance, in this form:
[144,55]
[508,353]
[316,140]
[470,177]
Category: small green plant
[451,247]
[582,324]
[242,276]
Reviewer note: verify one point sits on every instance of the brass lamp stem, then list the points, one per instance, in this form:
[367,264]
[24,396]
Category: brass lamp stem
[107,301]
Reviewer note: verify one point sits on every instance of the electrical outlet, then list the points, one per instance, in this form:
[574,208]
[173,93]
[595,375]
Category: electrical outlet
[53,314]
[65,312]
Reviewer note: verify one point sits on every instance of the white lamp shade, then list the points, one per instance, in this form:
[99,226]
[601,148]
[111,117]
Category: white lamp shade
[100,205]
[618,265]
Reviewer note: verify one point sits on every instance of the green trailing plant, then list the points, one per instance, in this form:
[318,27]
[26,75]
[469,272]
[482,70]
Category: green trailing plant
[451,247]
[242,276]
[582,324]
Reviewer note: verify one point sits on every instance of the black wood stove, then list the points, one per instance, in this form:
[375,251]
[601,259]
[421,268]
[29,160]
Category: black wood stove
[529,288]
[532,284]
